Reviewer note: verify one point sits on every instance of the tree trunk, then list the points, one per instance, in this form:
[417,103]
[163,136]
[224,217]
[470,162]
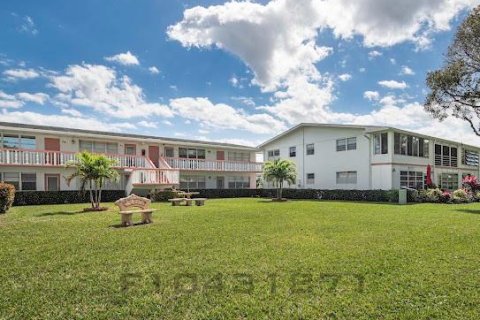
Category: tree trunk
[100,193]
[92,201]
[280,190]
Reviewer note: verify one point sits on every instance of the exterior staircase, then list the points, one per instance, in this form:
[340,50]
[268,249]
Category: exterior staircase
[151,177]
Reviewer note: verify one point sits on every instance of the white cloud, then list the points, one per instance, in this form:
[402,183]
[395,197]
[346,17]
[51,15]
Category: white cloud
[72,112]
[63,121]
[345,77]
[392,84]
[125,59]
[386,23]
[362,70]
[280,41]
[148,124]
[234,81]
[224,116]
[407,71]
[38,97]
[99,88]
[167,123]
[393,61]
[9,101]
[27,25]
[373,54]
[20,74]
[153,70]
[371,95]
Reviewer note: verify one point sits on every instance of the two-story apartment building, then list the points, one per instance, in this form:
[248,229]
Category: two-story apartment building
[331,156]
[35,157]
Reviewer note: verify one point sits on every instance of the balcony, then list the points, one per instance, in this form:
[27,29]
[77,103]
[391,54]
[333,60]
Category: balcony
[213,165]
[44,158]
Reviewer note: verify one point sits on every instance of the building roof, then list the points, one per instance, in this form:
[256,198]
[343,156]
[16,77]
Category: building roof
[121,135]
[367,128]
[320,125]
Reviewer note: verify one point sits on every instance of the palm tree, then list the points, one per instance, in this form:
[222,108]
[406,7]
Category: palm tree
[92,170]
[279,171]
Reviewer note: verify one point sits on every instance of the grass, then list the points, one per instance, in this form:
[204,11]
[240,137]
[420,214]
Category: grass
[243,258]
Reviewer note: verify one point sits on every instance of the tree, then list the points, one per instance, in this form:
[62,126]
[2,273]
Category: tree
[279,171]
[93,170]
[455,89]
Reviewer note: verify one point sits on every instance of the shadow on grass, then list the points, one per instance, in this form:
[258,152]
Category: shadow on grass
[59,213]
[135,224]
[470,211]
[289,200]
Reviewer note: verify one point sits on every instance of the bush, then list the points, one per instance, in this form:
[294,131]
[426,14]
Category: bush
[347,195]
[460,196]
[162,195]
[7,196]
[26,198]
[433,195]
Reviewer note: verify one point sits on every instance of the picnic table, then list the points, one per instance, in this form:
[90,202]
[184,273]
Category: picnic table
[187,195]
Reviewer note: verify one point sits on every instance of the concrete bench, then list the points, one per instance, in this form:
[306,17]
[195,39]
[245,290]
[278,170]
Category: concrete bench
[199,201]
[133,201]
[177,201]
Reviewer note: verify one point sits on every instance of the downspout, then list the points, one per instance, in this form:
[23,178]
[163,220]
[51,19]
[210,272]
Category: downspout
[369,160]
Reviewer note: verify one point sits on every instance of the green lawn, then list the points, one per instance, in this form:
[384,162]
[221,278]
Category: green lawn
[243,258]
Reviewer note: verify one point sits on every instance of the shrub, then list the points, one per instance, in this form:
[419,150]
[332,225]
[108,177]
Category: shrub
[433,195]
[460,196]
[7,196]
[162,195]
[27,198]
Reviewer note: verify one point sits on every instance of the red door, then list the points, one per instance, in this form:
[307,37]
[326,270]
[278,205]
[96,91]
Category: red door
[154,154]
[52,145]
[221,155]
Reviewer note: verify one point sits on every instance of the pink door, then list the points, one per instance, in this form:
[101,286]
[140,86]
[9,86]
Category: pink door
[52,144]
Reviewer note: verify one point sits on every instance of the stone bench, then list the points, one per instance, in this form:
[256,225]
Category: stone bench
[133,201]
[199,201]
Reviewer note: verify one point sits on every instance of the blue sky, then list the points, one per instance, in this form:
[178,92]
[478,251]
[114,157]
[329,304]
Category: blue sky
[236,72]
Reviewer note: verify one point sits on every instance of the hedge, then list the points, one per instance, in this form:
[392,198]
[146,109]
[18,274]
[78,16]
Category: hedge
[347,195]
[24,198]
[7,196]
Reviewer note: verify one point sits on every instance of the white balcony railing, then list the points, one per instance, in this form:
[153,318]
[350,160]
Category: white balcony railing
[45,158]
[213,165]
[155,177]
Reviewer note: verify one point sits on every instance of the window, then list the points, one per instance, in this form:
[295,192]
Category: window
[380,143]
[411,179]
[169,152]
[17,142]
[99,147]
[347,144]
[52,182]
[410,145]
[238,156]
[449,181]
[293,152]
[192,182]
[310,178]
[29,181]
[240,182]
[347,177]
[446,156]
[191,153]
[273,153]
[341,144]
[352,143]
[12,178]
[130,149]
[470,158]
[310,149]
